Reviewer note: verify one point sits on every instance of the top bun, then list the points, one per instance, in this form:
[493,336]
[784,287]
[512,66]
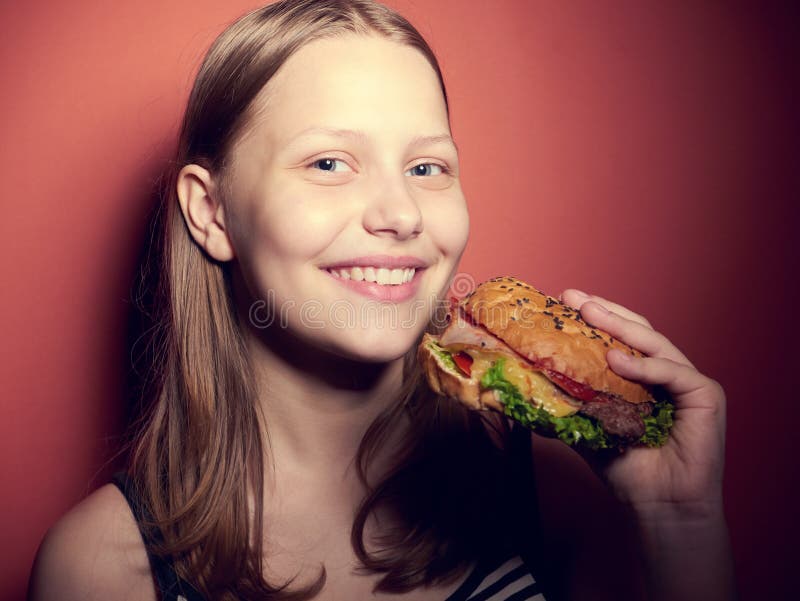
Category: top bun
[551,334]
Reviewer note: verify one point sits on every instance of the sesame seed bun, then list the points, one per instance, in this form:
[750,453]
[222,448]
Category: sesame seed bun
[551,335]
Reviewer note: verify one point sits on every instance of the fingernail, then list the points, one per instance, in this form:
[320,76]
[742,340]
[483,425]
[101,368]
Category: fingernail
[581,294]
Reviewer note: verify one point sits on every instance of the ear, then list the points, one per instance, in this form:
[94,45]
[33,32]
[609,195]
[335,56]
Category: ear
[203,211]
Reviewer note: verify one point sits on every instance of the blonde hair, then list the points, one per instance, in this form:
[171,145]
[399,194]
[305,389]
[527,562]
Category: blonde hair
[197,461]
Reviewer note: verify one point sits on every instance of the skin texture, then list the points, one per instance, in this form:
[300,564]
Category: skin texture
[283,217]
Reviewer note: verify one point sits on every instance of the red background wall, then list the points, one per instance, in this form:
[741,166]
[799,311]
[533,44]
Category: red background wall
[637,150]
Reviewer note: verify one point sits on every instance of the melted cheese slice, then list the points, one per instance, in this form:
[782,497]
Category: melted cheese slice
[533,385]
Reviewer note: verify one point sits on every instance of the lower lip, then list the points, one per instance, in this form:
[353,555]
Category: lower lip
[392,293]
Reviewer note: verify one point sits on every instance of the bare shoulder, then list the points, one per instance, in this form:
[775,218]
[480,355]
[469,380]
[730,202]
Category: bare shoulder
[94,552]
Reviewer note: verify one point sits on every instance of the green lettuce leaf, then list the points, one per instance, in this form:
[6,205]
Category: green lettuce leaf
[658,424]
[572,429]
[446,357]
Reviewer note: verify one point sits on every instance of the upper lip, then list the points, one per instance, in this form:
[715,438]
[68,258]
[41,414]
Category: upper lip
[387,261]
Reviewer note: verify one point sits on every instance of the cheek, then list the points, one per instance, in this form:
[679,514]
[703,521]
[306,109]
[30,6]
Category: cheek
[294,229]
[448,226]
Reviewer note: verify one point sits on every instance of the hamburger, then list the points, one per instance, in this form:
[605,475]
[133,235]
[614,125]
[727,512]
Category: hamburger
[513,349]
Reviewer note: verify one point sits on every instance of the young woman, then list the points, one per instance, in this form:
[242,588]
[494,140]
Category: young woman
[313,220]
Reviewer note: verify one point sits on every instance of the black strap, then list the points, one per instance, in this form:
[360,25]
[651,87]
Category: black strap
[169,584]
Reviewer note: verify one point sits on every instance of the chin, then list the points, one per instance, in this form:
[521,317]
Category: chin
[375,345]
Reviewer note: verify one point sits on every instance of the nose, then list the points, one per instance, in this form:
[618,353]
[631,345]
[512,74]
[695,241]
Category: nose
[393,212]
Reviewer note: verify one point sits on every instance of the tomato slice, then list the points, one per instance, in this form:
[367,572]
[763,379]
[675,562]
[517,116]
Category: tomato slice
[464,362]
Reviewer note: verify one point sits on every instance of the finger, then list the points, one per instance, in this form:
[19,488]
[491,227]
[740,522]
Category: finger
[576,298]
[633,333]
[681,381]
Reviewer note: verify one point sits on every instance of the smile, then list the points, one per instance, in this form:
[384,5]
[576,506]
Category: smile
[379,275]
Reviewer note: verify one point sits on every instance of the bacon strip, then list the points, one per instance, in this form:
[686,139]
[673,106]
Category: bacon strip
[463,332]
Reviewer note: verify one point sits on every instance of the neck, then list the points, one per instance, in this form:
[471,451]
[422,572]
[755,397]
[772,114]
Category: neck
[317,406]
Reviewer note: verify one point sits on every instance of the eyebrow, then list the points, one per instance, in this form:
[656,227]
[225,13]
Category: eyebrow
[442,138]
[362,137]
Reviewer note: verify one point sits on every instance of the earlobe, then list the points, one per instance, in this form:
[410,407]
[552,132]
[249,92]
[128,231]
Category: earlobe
[203,211]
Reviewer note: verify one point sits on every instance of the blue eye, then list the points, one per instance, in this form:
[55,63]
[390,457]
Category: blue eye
[328,164]
[426,170]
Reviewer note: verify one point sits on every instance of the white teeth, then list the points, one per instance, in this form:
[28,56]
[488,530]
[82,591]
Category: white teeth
[380,275]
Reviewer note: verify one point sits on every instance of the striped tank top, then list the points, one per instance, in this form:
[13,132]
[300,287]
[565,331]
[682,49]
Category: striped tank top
[503,580]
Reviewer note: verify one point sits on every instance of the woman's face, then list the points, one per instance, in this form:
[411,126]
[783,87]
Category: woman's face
[344,207]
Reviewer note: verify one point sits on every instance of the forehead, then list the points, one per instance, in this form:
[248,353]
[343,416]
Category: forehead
[365,83]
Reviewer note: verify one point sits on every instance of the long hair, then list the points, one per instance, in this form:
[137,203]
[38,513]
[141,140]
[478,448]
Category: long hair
[198,456]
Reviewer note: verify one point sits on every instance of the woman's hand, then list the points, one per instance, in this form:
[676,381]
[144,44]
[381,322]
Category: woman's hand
[685,475]
[675,490]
